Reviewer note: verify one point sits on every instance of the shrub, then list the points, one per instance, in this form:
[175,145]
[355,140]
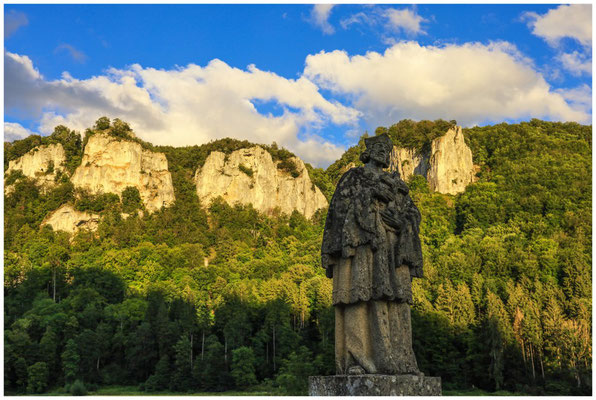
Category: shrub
[96,203]
[78,388]
[131,199]
[243,367]
[13,176]
[38,377]
[102,123]
[247,170]
[121,128]
[290,167]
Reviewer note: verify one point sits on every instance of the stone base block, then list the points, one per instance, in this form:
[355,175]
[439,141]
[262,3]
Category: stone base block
[374,385]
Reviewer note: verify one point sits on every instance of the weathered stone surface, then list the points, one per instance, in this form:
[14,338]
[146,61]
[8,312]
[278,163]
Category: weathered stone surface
[447,166]
[371,248]
[110,165]
[374,385]
[35,164]
[67,219]
[251,176]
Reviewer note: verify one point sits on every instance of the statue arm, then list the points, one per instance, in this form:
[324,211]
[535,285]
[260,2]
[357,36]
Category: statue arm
[339,207]
[350,222]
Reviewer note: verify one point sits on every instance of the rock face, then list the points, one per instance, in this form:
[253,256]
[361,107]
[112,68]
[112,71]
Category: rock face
[37,162]
[251,176]
[67,219]
[374,385]
[408,162]
[451,166]
[448,166]
[110,165]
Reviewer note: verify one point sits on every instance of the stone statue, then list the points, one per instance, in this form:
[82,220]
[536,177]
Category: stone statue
[371,249]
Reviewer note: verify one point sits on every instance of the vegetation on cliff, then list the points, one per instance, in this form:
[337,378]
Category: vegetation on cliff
[192,299]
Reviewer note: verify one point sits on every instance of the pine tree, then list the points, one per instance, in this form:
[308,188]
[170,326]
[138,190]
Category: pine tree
[70,361]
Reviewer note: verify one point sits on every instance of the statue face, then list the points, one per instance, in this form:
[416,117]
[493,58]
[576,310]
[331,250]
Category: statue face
[380,154]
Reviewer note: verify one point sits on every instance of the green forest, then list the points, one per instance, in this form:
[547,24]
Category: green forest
[212,297]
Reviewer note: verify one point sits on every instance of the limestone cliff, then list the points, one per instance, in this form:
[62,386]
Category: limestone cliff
[110,165]
[41,163]
[408,162]
[451,166]
[67,219]
[251,176]
[448,165]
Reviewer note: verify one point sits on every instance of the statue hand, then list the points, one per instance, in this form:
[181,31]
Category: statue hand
[383,194]
[327,261]
[390,219]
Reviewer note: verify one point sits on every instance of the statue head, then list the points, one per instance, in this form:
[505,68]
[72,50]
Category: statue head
[378,148]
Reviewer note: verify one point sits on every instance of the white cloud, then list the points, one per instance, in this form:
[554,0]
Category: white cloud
[406,20]
[473,83]
[76,55]
[575,62]
[15,131]
[319,16]
[356,19]
[13,21]
[572,21]
[183,106]
[580,97]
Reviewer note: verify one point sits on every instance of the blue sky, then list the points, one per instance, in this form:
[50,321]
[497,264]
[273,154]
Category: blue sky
[311,78]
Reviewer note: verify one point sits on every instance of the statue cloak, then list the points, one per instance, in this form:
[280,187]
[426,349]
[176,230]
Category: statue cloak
[358,244]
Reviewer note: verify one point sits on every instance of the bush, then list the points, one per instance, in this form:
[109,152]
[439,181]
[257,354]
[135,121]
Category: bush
[290,167]
[38,377]
[293,375]
[121,129]
[247,170]
[102,123]
[78,388]
[13,176]
[131,199]
[243,367]
[161,378]
[96,203]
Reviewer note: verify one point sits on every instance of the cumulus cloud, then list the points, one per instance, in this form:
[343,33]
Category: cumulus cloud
[182,106]
[575,62]
[580,97]
[473,83]
[76,55]
[319,17]
[15,131]
[13,21]
[406,20]
[571,21]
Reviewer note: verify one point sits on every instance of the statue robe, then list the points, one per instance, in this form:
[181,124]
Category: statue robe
[372,265]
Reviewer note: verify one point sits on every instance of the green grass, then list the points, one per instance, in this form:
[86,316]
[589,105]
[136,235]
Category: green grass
[134,391]
[479,392]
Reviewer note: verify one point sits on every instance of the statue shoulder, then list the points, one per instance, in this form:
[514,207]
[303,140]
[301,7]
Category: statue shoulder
[400,185]
[350,176]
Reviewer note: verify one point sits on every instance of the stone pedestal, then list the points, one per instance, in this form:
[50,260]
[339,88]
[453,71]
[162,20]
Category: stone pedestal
[374,385]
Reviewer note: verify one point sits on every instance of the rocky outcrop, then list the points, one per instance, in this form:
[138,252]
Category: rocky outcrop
[448,165]
[451,166]
[41,163]
[408,162]
[111,165]
[67,219]
[251,176]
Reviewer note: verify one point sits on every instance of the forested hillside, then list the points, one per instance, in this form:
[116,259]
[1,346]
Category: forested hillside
[199,297]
